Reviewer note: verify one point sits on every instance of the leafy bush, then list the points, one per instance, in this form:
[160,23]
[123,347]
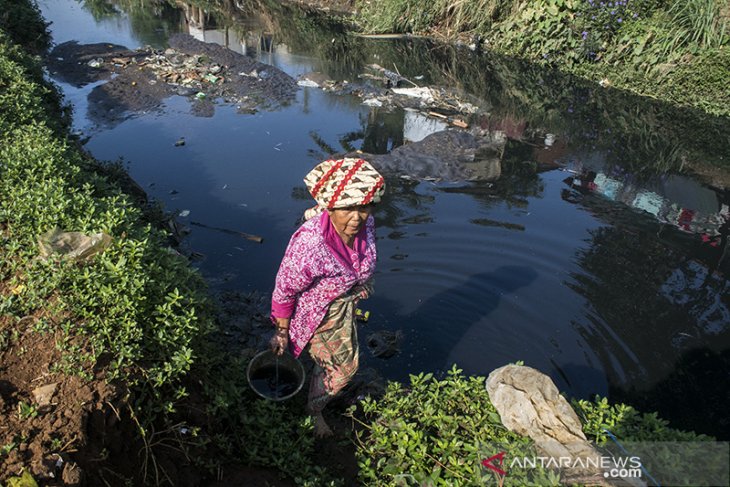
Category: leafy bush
[24,96]
[438,432]
[650,437]
[138,304]
[600,418]
[23,23]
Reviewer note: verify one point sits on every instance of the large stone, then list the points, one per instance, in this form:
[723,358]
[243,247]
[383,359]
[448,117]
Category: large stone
[530,404]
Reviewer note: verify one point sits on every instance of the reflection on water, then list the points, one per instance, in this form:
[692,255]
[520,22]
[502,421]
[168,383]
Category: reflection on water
[585,252]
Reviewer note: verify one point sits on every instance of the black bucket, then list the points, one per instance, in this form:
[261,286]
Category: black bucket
[275,377]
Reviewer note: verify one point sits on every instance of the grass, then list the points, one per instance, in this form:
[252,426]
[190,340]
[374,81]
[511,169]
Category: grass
[632,43]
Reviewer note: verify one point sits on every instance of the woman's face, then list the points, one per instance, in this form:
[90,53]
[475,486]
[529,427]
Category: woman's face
[348,221]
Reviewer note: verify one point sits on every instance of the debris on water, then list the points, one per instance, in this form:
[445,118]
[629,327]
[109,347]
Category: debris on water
[96,63]
[384,343]
[200,95]
[389,77]
[424,93]
[307,83]
[372,102]
[194,256]
[184,213]
[180,141]
[362,316]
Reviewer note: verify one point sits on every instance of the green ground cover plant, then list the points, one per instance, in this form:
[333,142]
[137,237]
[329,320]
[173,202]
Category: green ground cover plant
[138,302]
[435,432]
[141,312]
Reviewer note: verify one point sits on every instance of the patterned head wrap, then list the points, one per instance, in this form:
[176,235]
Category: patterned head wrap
[345,182]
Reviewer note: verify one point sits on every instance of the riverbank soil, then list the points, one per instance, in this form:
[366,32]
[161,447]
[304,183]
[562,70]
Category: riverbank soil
[64,429]
[139,80]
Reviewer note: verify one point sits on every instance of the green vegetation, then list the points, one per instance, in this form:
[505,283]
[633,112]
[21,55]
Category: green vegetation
[137,301]
[137,309]
[674,50]
[437,432]
[599,417]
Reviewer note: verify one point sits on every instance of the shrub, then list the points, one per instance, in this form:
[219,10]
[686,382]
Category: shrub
[600,419]
[138,304]
[23,23]
[438,432]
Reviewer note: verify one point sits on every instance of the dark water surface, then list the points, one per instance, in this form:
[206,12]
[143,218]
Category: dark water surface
[609,273]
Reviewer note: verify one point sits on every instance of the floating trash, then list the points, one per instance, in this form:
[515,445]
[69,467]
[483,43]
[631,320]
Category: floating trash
[308,83]
[372,102]
[384,343]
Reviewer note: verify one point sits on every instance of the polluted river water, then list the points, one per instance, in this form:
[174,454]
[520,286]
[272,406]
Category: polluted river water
[588,253]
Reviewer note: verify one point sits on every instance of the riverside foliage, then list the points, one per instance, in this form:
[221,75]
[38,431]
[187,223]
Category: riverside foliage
[435,432]
[138,310]
[652,47]
[139,304]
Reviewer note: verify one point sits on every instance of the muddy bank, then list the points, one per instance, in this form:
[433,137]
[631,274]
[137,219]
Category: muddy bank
[139,80]
[64,428]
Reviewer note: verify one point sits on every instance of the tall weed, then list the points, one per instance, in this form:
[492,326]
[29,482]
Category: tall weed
[697,22]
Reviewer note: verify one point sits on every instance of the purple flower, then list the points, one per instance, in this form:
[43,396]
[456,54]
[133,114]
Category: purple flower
[585,35]
[613,12]
[619,20]
[635,15]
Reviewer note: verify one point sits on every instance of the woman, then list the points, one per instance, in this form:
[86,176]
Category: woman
[327,268]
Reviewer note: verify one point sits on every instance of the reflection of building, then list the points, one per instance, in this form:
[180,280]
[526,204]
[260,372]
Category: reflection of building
[203,27]
[678,201]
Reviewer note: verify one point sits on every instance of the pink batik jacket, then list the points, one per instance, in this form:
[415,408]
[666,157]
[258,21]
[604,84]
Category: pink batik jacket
[317,268]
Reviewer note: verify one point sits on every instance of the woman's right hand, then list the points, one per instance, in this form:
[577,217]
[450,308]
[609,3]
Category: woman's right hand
[280,341]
